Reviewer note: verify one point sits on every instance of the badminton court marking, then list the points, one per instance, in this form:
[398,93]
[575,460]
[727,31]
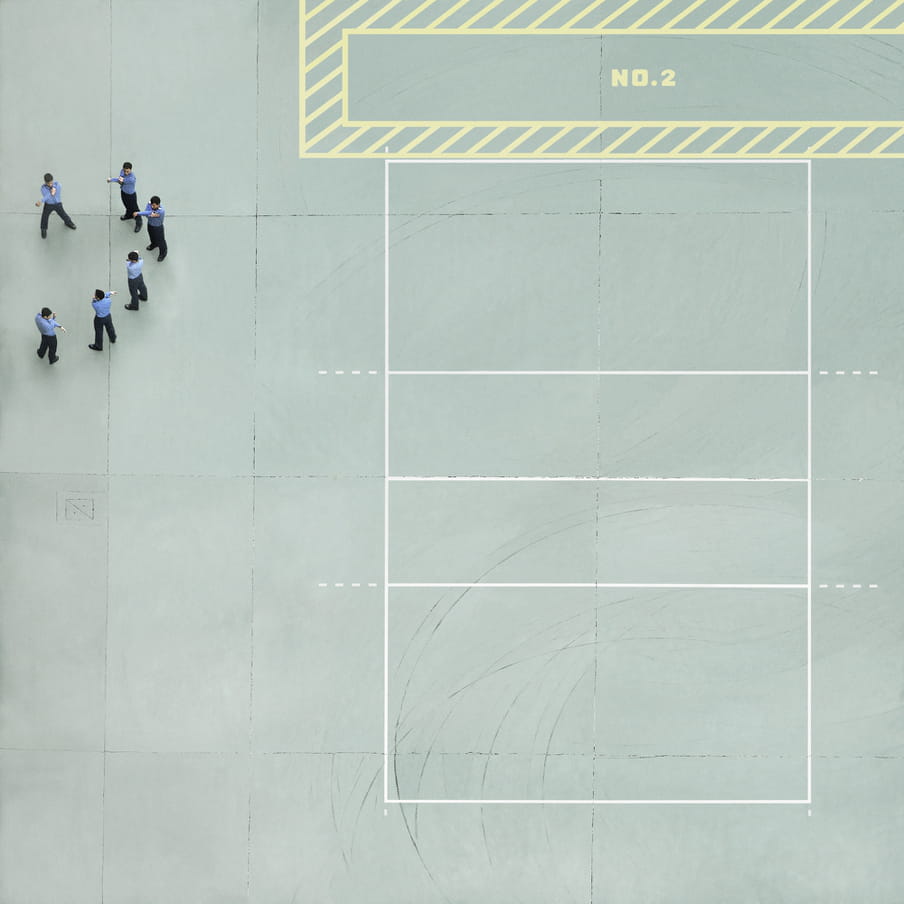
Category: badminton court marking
[390,478]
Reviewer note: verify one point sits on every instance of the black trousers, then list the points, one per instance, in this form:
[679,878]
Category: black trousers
[48,343]
[158,239]
[54,208]
[130,202]
[101,323]
[138,291]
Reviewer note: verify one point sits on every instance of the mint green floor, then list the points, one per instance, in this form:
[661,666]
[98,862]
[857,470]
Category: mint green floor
[192,711]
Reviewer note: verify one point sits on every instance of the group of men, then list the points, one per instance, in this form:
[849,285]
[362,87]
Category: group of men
[51,197]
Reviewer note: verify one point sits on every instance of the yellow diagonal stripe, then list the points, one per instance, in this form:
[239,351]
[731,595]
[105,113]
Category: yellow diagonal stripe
[761,5]
[552,141]
[519,140]
[817,14]
[655,140]
[623,8]
[717,144]
[537,22]
[327,131]
[488,8]
[336,47]
[621,138]
[382,10]
[857,140]
[330,75]
[850,15]
[789,140]
[827,137]
[717,13]
[452,140]
[785,12]
[383,139]
[689,140]
[416,12]
[318,9]
[511,16]
[686,12]
[334,22]
[449,12]
[584,142]
[337,98]
[356,134]
[888,141]
[488,138]
[755,140]
[650,14]
[883,14]
[418,139]
[586,11]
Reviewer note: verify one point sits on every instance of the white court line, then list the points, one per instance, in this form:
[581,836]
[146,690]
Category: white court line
[451,479]
[807,373]
[598,373]
[600,161]
[809,481]
[595,801]
[487,585]
[385,481]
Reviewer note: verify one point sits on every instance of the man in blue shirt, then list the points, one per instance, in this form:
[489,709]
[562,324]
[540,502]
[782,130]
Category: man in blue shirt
[103,319]
[47,326]
[53,203]
[155,214]
[127,193]
[137,289]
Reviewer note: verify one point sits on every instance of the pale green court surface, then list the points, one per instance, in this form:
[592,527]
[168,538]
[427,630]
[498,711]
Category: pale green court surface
[191,709]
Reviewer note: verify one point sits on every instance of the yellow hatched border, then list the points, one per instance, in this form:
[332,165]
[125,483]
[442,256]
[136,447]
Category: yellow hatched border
[325,130]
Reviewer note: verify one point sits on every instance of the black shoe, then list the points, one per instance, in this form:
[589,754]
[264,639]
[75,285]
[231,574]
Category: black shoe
[38,353]
[161,255]
[137,224]
[150,248]
[126,217]
[54,360]
[43,233]
[112,341]
[97,348]
[131,307]
[70,225]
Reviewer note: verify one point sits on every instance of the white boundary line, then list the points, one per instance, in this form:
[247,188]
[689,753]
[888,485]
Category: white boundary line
[570,161]
[637,802]
[387,479]
[488,585]
[597,373]
[452,479]
[809,481]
